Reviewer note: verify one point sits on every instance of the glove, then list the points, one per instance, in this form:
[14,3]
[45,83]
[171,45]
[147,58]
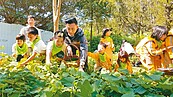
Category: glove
[81,66]
[69,51]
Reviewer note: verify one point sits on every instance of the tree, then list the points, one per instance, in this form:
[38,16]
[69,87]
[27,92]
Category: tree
[94,14]
[16,11]
[56,13]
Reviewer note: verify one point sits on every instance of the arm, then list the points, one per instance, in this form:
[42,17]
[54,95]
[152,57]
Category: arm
[14,50]
[48,53]
[29,59]
[151,47]
[112,45]
[92,55]
[39,33]
[129,67]
[83,49]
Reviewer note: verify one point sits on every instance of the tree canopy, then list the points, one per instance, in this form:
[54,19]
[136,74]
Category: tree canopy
[124,16]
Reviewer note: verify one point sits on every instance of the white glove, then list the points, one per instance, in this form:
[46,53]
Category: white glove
[69,50]
[82,64]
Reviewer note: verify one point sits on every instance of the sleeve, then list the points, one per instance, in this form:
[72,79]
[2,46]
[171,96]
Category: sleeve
[39,33]
[151,47]
[92,55]
[83,49]
[39,47]
[14,48]
[48,52]
[112,45]
[22,31]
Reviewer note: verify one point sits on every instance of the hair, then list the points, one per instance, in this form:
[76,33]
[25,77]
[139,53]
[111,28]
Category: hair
[158,32]
[32,30]
[71,20]
[123,54]
[31,16]
[59,34]
[105,30]
[20,37]
[103,44]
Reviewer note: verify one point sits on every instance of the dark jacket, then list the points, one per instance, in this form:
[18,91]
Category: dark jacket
[80,40]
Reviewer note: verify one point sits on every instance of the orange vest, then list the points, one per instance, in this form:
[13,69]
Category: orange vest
[169,42]
[145,52]
[96,57]
[109,49]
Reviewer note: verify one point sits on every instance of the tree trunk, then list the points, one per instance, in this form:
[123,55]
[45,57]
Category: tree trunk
[91,26]
[56,14]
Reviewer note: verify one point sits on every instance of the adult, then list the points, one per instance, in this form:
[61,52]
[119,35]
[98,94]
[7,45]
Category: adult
[75,35]
[151,50]
[169,42]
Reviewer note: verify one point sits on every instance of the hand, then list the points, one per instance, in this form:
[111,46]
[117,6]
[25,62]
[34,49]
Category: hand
[48,63]
[69,51]
[81,69]
[81,66]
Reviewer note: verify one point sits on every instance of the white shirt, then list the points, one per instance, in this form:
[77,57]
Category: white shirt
[128,48]
[39,47]
[48,50]
[14,48]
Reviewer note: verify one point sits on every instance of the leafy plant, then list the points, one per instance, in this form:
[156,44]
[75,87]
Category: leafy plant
[57,80]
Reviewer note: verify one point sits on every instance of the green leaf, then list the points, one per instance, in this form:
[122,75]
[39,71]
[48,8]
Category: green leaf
[65,94]
[155,77]
[40,75]
[140,90]
[67,81]
[123,71]
[36,91]
[65,74]
[15,95]
[171,95]
[96,85]
[3,85]
[86,89]
[110,77]
[48,93]
[9,90]
[153,95]
[99,95]
[131,94]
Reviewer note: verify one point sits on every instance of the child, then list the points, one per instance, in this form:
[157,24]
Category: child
[56,47]
[37,44]
[102,59]
[20,48]
[123,61]
[108,41]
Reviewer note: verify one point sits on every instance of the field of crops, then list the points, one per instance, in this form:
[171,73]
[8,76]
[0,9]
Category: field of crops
[41,80]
